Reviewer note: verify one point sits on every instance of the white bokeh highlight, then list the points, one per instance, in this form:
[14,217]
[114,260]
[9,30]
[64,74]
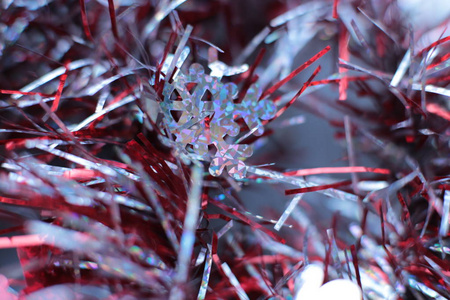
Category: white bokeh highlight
[309,286]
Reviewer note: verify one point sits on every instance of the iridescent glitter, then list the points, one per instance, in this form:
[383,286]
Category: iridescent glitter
[207,114]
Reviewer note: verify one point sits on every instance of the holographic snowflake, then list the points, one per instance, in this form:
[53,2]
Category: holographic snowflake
[201,113]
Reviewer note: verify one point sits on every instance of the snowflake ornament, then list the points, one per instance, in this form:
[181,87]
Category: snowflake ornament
[200,111]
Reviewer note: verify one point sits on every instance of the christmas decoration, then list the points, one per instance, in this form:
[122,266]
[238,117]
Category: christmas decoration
[189,149]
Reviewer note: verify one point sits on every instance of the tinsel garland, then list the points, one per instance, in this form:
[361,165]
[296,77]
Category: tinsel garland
[148,149]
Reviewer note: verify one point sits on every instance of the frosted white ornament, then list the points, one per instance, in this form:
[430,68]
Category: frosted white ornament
[310,281]
[339,289]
